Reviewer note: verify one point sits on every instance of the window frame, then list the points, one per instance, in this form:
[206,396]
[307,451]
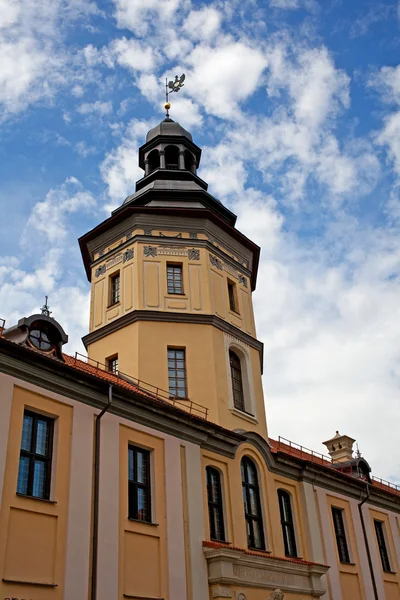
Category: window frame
[134,486]
[287,525]
[114,295]
[240,403]
[110,362]
[381,540]
[179,268]
[232,296]
[341,538]
[34,457]
[176,369]
[250,518]
[215,506]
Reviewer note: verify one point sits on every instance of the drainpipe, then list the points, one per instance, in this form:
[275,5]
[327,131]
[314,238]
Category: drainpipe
[95,538]
[371,568]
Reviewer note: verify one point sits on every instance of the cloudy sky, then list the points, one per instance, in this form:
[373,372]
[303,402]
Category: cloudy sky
[296,104]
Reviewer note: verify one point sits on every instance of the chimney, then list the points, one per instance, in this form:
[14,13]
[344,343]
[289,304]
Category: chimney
[340,447]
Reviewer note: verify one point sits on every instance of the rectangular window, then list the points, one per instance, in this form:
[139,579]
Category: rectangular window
[380,538]
[112,364]
[340,532]
[289,538]
[232,296]
[35,456]
[174,279]
[177,372]
[215,510]
[139,498]
[115,286]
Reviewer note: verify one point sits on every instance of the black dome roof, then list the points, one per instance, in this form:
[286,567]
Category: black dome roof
[168,127]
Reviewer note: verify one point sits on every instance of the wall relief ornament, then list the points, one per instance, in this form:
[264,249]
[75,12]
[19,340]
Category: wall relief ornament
[216,262]
[128,255]
[148,232]
[193,235]
[277,595]
[193,254]
[100,271]
[241,596]
[150,251]
[243,280]
[221,592]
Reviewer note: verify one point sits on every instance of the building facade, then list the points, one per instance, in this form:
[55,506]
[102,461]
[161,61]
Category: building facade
[145,470]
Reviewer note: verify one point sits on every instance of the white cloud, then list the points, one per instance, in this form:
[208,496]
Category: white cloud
[98,107]
[134,55]
[137,15]
[294,4]
[226,75]
[120,169]
[202,24]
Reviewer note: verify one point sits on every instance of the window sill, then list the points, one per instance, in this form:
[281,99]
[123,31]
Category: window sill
[350,564]
[235,313]
[177,294]
[36,498]
[144,522]
[258,550]
[35,583]
[114,305]
[244,415]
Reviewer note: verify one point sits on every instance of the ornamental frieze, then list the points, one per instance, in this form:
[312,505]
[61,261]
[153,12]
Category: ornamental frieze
[123,257]
[191,253]
[253,575]
[216,262]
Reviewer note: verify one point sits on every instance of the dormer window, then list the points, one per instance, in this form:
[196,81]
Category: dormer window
[40,340]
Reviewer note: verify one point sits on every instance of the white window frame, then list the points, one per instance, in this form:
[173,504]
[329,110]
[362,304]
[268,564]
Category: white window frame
[243,352]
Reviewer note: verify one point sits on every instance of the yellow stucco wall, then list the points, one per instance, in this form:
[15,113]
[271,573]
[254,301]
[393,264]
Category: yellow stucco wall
[33,532]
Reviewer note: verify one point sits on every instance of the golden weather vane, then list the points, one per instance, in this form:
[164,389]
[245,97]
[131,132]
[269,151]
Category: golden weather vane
[172,86]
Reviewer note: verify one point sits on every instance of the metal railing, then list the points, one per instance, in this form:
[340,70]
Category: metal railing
[307,454]
[2,325]
[149,390]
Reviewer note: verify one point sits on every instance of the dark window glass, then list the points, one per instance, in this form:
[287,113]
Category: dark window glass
[215,512]
[171,157]
[139,498]
[232,297]
[113,364]
[174,279]
[237,383]
[380,536]
[252,505]
[338,523]
[40,339]
[115,285]
[285,508]
[177,373]
[35,456]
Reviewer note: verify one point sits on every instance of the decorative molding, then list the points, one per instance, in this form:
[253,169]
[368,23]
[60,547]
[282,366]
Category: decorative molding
[177,237]
[150,251]
[121,257]
[221,592]
[243,280]
[148,231]
[129,235]
[193,235]
[277,595]
[100,270]
[101,252]
[240,596]
[166,251]
[128,255]
[216,262]
[194,254]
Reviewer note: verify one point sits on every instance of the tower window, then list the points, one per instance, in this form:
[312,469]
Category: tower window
[112,364]
[174,279]
[237,381]
[252,505]
[233,305]
[171,157]
[153,160]
[380,538]
[139,487]
[115,288]
[285,508]
[215,511]
[177,373]
[341,542]
[35,456]
[189,161]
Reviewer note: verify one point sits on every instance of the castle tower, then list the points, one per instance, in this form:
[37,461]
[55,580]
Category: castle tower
[171,281]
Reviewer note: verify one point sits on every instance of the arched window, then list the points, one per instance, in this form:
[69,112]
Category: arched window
[154,160]
[252,505]
[289,539]
[215,510]
[237,381]
[171,157]
[189,161]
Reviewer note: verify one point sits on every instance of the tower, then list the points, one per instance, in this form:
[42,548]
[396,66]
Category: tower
[171,281]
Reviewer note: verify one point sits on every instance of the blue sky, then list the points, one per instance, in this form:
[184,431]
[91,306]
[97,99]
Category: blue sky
[296,104]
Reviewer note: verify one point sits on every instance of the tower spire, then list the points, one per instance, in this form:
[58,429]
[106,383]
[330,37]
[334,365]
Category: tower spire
[172,86]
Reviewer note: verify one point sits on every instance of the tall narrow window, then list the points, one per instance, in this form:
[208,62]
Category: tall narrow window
[139,498]
[177,372]
[112,364]
[115,285]
[252,505]
[215,512]
[232,297]
[380,537]
[174,279]
[289,539]
[35,456]
[237,382]
[338,523]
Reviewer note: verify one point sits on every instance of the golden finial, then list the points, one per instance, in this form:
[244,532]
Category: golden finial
[172,86]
